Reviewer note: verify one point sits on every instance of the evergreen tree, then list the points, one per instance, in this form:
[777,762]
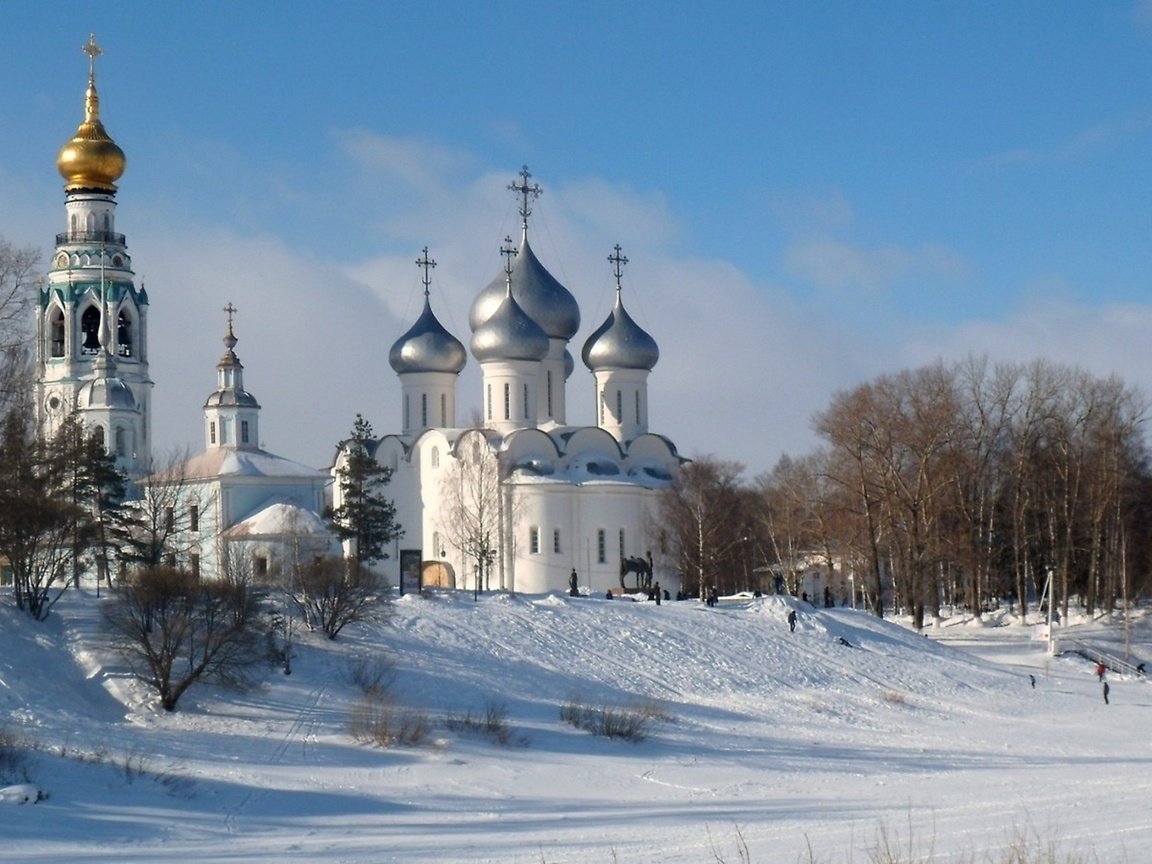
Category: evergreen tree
[364,515]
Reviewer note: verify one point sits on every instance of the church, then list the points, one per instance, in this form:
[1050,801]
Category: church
[520,502]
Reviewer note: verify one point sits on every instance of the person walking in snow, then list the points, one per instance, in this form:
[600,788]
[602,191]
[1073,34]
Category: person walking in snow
[791,620]
[1100,669]
[1105,692]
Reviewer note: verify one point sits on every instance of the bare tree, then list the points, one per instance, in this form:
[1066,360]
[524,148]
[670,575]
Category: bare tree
[157,528]
[704,519]
[473,507]
[16,298]
[177,630]
[332,593]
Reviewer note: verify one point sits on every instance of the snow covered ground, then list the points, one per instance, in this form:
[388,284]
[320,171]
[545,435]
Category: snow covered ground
[769,743]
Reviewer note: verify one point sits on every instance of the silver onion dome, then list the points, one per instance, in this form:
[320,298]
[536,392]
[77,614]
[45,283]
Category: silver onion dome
[538,292]
[620,343]
[509,334]
[427,347]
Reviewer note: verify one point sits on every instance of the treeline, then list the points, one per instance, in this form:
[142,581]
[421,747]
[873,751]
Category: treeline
[962,484]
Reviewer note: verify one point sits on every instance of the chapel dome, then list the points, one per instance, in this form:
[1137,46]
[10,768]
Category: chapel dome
[427,347]
[620,343]
[91,160]
[538,292]
[509,334]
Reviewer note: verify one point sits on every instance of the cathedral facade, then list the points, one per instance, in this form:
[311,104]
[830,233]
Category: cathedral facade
[526,501]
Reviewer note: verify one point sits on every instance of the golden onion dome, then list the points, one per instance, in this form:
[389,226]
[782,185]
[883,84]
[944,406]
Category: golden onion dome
[91,160]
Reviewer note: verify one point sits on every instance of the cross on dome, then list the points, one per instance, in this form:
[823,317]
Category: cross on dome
[93,51]
[525,192]
[230,340]
[427,264]
[618,262]
[509,252]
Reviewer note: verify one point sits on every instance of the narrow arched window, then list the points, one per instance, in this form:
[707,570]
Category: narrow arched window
[424,410]
[407,413]
[637,407]
[56,332]
[548,380]
[619,406]
[443,409]
[90,331]
[534,540]
[507,401]
[435,457]
[124,335]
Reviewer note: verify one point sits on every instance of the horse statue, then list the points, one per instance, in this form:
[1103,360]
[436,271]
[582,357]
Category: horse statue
[642,567]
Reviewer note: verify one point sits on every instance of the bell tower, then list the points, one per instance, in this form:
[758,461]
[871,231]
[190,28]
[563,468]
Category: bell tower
[91,320]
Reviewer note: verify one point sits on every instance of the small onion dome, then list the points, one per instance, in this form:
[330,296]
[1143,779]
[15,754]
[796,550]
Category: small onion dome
[546,301]
[509,334]
[91,160]
[427,347]
[620,343]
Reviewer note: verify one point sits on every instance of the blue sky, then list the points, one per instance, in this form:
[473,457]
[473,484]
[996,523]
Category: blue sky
[809,194]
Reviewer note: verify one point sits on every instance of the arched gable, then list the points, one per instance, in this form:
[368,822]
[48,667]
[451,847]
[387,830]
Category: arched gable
[530,450]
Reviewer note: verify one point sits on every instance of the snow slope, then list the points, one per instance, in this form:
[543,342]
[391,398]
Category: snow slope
[775,740]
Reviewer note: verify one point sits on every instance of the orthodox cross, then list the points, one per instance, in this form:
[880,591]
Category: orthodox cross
[93,51]
[230,339]
[618,262]
[525,192]
[509,252]
[427,263]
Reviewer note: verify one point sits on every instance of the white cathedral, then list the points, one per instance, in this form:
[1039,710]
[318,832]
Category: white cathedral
[523,502]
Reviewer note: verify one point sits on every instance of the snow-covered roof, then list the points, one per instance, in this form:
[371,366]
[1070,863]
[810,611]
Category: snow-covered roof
[277,519]
[227,461]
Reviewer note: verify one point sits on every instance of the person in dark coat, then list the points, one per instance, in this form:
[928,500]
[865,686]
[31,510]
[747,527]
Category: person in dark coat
[791,620]
[1105,692]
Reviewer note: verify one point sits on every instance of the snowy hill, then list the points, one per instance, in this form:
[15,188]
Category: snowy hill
[758,743]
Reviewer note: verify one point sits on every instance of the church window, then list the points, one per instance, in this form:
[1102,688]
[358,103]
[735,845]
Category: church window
[169,519]
[489,401]
[601,546]
[124,335]
[526,415]
[194,564]
[556,540]
[193,518]
[260,566]
[90,329]
[56,331]
[534,540]
[225,432]
[121,442]
[212,432]
[549,394]
[600,407]
[423,410]
[475,452]
[72,225]
[100,435]
[107,224]
[637,407]
[435,457]
[90,224]
[407,413]
[507,401]
[621,542]
[619,406]
[243,431]
[443,409]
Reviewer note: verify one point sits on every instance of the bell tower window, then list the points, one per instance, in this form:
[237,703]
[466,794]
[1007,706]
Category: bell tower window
[56,332]
[124,335]
[90,329]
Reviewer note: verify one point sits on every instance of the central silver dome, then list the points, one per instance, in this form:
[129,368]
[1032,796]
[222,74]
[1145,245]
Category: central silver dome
[539,294]
[509,334]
